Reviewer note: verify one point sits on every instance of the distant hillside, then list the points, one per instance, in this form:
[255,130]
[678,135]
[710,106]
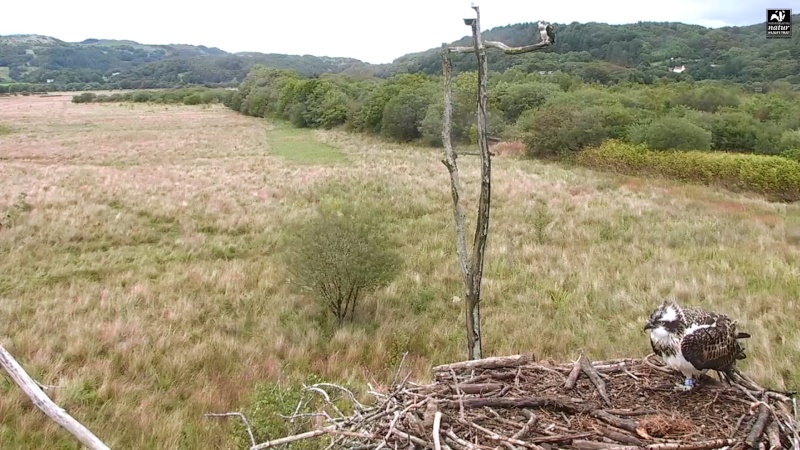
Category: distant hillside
[644,50]
[96,63]
[599,52]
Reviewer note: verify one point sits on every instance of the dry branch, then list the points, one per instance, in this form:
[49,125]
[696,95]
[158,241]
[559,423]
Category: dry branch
[42,401]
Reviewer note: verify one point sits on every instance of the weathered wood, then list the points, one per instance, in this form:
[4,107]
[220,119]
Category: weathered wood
[556,403]
[591,372]
[472,268]
[574,374]
[495,362]
[619,436]
[605,416]
[774,436]
[754,437]
[46,405]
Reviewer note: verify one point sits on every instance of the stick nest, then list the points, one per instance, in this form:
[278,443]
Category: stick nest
[516,402]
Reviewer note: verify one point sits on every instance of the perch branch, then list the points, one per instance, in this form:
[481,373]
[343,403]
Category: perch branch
[43,402]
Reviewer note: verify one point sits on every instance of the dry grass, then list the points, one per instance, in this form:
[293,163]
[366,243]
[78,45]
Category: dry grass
[142,269]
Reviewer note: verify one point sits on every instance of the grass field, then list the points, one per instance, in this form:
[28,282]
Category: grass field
[142,273]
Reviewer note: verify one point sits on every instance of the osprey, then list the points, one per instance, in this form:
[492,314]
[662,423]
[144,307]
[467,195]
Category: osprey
[546,32]
[694,341]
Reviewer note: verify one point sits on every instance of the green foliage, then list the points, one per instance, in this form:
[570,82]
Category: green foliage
[735,131]
[793,154]
[268,403]
[560,129]
[514,99]
[403,115]
[5,129]
[86,97]
[774,177]
[339,255]
[187,96]
[790,140]
[671,133]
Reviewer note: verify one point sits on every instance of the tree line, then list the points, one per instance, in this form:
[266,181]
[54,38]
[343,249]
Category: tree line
[556,115]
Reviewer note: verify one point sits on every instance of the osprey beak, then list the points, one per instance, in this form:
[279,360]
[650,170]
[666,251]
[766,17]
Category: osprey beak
[648,326]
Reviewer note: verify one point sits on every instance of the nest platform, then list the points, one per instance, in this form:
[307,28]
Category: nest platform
[517,402]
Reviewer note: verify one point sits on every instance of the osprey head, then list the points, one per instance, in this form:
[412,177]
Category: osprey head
[666,319]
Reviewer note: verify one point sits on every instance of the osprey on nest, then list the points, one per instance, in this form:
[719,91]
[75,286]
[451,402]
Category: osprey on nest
[693,341]
[546,32]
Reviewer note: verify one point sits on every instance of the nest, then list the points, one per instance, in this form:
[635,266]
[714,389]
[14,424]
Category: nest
[516,402]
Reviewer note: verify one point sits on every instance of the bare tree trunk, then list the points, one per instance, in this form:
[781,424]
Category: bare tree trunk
[43,402]
[472,268]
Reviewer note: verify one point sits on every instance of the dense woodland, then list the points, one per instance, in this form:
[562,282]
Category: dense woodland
[594,52]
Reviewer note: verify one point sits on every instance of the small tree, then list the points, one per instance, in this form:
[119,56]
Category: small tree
[338,256]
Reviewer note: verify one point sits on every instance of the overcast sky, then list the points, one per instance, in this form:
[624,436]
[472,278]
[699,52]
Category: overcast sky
[372,31]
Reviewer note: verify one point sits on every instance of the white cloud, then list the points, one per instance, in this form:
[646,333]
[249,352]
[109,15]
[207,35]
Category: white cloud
[372,31]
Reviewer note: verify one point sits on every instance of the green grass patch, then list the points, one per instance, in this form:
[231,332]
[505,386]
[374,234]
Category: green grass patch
[299,145]
[5,129]
[5,74]
[775,177]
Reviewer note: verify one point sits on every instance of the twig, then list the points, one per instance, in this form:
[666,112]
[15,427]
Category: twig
[525,428]
[586,367]
[437,423]
[241,416]
[646,360]
[460,395]
[392,424]
[399,367]
[494,436]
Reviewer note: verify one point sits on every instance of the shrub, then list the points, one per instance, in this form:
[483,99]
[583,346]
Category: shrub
[340,255]
[269,403]
[561,129]
[793,154]
[790,140]
[668,133]
[193,99]
[774,177]
[404,114]
[86,97]
[735,130]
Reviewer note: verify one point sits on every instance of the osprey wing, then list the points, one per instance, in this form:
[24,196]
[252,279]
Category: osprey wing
[712,346]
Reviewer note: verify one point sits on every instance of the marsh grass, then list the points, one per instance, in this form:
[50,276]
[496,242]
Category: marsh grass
[143,271]
[299,145]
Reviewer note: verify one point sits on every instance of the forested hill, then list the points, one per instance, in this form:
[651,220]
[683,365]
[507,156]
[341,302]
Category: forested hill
[593,51]
[644,50]
[97,63]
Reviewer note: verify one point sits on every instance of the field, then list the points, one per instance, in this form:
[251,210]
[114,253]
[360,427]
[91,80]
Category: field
[142,272]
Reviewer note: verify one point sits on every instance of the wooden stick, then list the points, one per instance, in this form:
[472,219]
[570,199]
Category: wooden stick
[773,435]
[46,405]
[586,367]
[437,423]
[574,374]
[754,436]
[496,437]
[495,362]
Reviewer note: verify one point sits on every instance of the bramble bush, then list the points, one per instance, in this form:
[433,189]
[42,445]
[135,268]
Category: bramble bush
[775,177]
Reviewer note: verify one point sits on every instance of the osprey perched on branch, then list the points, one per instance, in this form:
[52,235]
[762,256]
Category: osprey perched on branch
[693,341]
[546,32]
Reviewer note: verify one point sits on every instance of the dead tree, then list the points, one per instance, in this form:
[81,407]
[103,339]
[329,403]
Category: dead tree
[472,267]
[43,402]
